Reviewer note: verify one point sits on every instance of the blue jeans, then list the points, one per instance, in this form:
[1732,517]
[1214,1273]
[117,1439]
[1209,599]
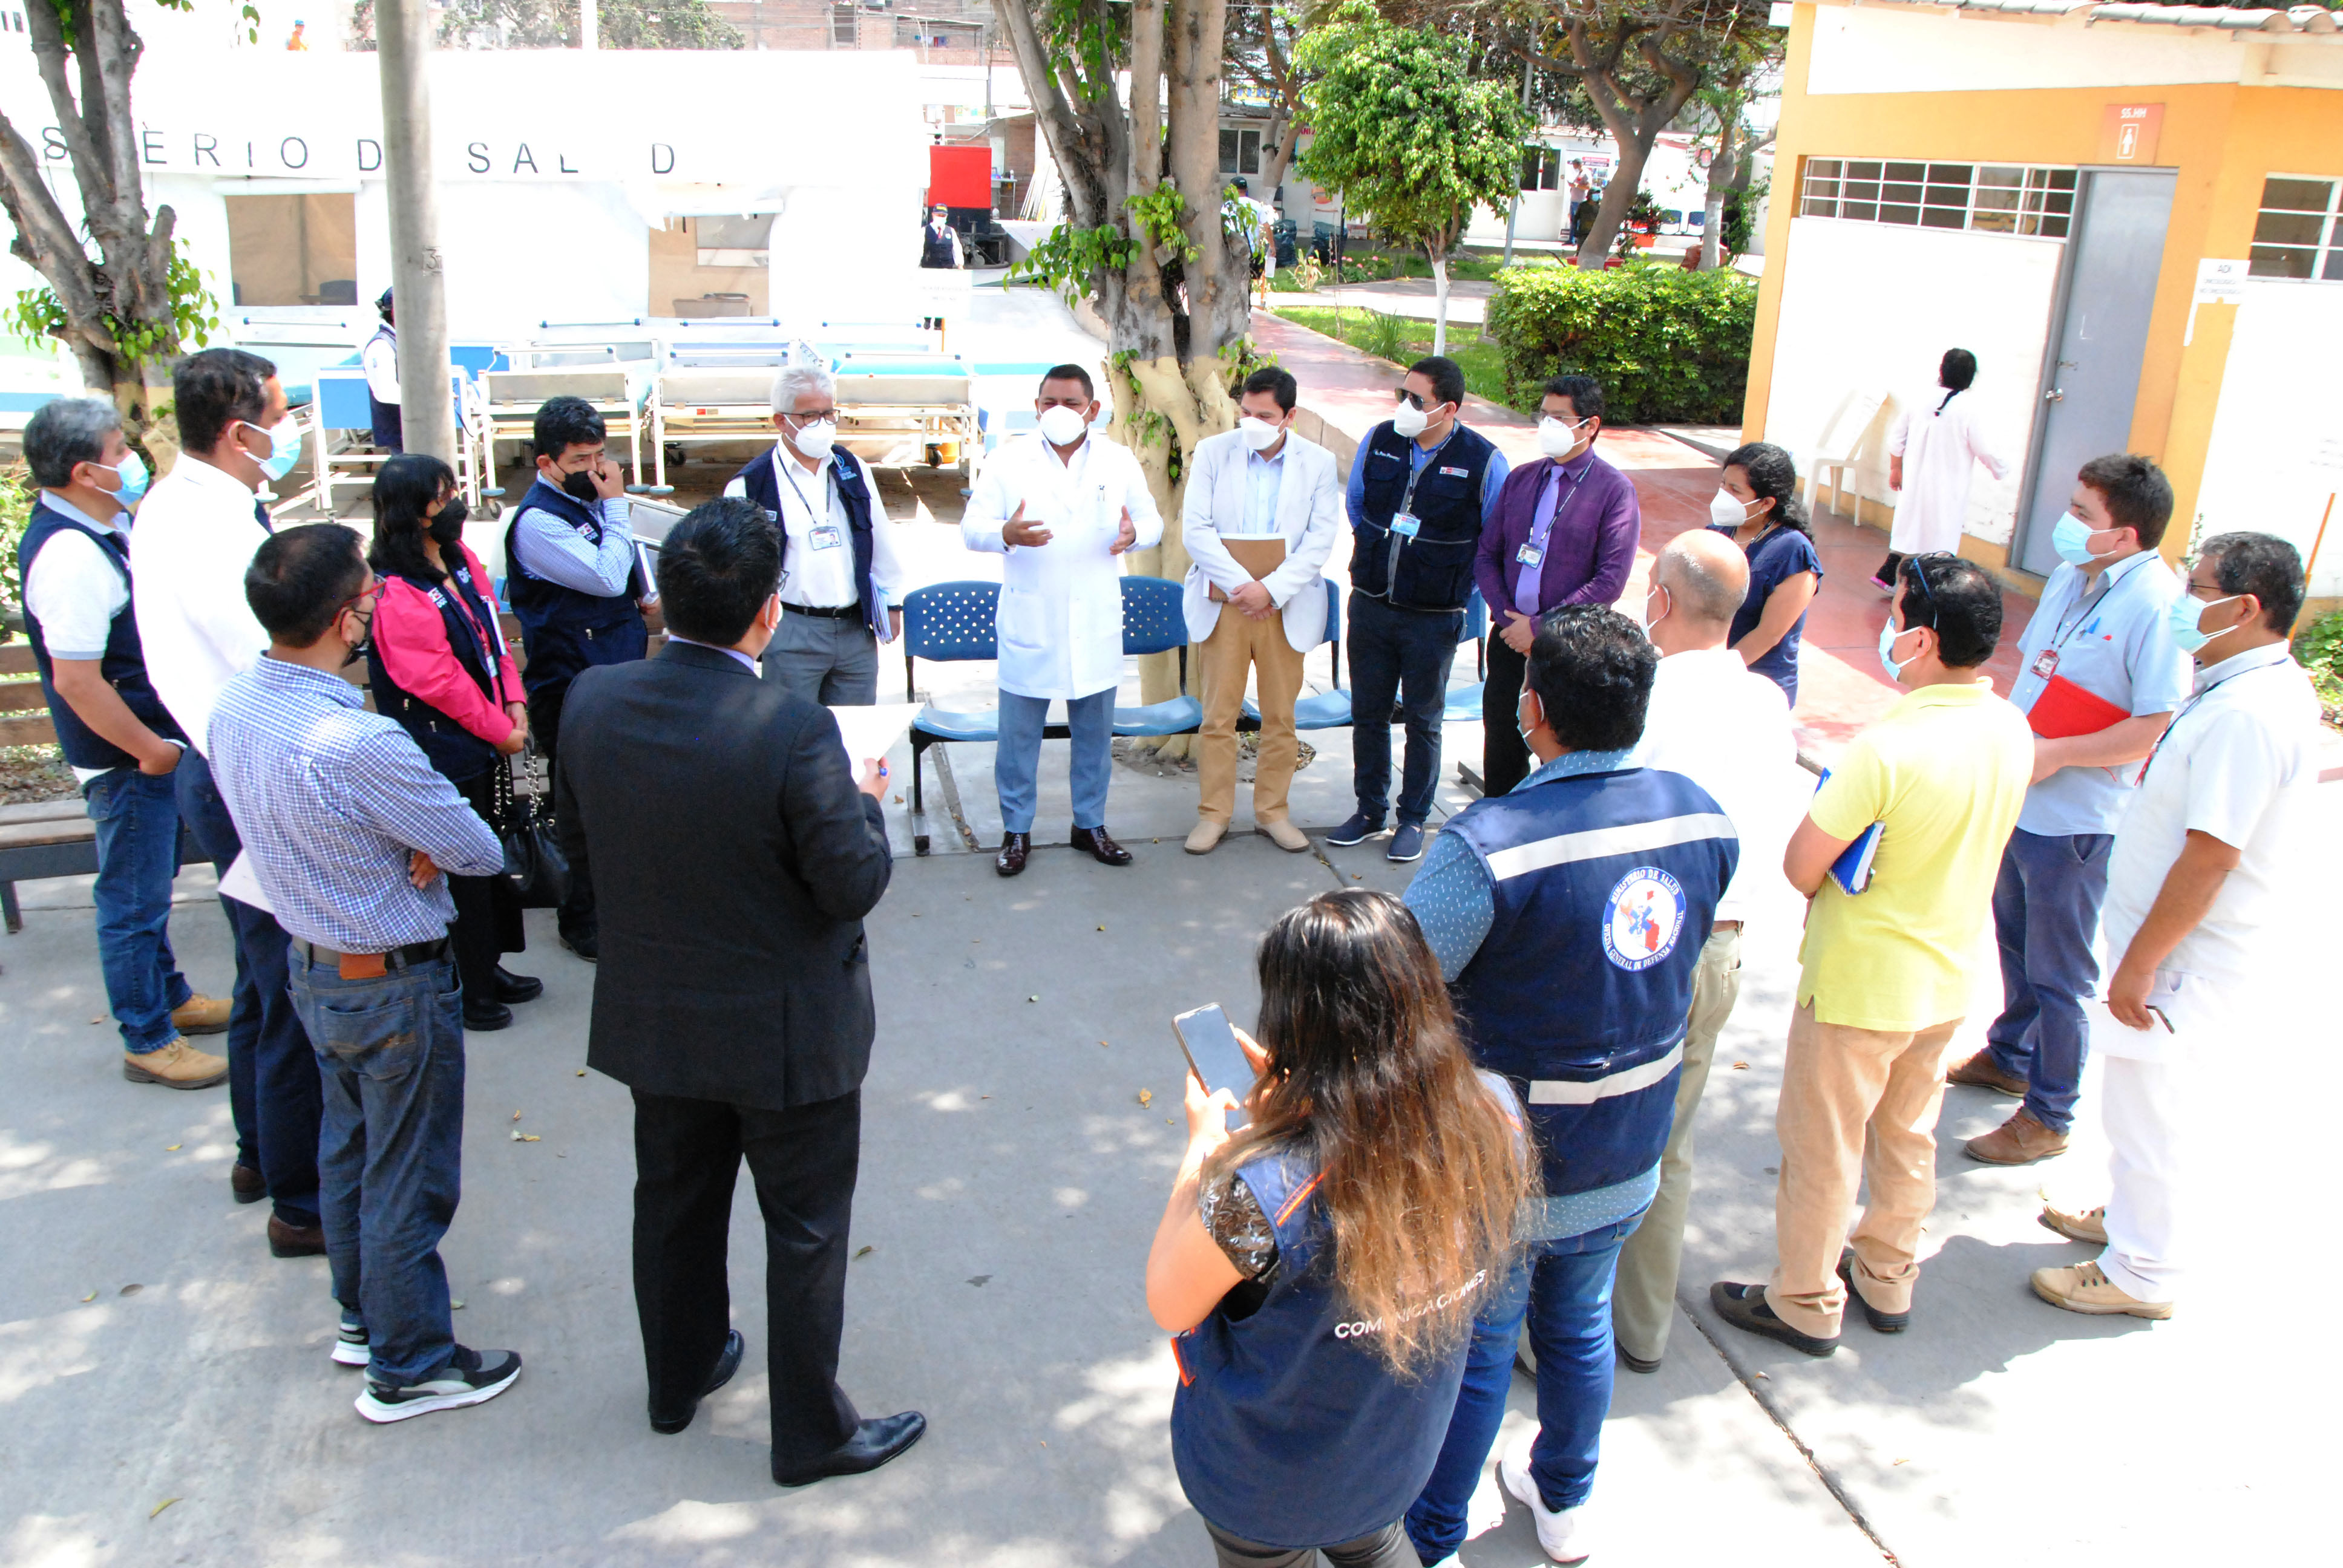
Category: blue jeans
[2045,918]
[137,821]
[390,1053]
[1564,1287]
[1018,755]
[1395,652]
[272,1077]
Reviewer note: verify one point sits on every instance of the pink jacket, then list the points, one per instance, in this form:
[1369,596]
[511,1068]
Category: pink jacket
[413,641]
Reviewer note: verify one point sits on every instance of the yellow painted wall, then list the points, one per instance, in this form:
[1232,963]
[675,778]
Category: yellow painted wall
[2222,138]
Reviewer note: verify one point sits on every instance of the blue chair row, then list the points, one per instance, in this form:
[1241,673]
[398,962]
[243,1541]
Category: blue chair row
[1332,710]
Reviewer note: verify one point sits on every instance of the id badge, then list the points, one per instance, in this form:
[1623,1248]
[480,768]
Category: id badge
[1529,555]
[2046,663]
[1405,524]
[824,537]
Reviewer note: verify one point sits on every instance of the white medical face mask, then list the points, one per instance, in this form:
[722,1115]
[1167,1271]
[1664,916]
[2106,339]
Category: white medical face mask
[1259,433]
[1558,438]
[1727,510]
[1062,425]
[284,447]
[1410,420]
[815,439]
[1667,600]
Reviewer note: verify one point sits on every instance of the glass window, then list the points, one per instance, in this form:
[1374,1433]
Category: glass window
[1992,198]
[1228,148]
[292,250]
[2298,234]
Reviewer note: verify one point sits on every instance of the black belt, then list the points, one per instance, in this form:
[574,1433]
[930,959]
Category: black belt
[365,966]
[825,612]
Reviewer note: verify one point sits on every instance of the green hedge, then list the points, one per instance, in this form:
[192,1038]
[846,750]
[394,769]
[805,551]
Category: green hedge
[1670,347]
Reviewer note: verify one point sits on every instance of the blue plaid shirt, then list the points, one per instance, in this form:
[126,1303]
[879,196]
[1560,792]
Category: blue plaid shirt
[330,800]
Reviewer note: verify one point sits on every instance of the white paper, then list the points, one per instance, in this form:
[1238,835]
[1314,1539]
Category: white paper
[239,883]
[2220,280]
[872,732]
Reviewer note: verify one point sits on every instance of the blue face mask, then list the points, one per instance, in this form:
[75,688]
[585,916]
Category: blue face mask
[285,448]
[1887,637]
[2181,620]
[2071,537]
[132,472]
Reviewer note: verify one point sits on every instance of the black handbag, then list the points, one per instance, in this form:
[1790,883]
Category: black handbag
[533,857]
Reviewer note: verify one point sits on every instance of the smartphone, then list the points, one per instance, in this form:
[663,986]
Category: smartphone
[1212,1052]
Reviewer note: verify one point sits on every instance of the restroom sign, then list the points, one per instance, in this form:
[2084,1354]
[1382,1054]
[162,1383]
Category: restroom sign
[2128,132]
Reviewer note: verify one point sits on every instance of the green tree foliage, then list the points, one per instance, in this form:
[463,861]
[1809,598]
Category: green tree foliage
[553,25]
[1667,344]
[1403,131]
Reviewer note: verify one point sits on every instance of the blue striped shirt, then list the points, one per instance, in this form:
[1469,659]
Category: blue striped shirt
[330,800]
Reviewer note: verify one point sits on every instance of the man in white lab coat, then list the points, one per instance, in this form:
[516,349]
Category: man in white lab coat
[1262,508]
[1062,507]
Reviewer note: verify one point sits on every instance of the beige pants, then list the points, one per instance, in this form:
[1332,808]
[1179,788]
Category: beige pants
[1858,1104]
[1644,1297]
[1240,643]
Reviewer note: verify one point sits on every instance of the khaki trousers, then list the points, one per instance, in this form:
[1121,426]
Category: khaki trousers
[1240,643]
[1858,1104]
[1644,1296]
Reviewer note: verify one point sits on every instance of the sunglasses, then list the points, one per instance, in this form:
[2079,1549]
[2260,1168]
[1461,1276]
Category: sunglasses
[1919,565]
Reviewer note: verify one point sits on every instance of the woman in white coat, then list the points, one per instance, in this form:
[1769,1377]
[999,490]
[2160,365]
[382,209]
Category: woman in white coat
[1063,506]
[1931,459]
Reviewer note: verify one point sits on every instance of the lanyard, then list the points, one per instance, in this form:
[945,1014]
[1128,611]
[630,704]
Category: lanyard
[1407,499]
[2087,609]
[2186,708]
[812,519]
[1539,532]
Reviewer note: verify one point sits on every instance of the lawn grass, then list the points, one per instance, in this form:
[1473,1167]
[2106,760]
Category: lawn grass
[1483,367]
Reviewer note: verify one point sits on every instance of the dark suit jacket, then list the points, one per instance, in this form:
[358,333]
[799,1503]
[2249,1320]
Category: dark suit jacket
[732,861]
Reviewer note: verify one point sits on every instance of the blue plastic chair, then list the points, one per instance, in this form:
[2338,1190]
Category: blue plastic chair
[1463,704]
[1317,709]
[1154,622]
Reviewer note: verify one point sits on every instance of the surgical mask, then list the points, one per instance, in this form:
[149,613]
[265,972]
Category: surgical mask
[580,486]
[132,472]
[2071,537]
[1062,425]
[1888,640]
[1727,510]
[1410,420]
[283,450]
[814,440]
[1671,600]
[2182,619]
[1260,434]
[1521,724]
[448,528]
[1558,438]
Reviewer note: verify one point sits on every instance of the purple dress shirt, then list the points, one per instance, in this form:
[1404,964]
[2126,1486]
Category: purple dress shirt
[1590,546]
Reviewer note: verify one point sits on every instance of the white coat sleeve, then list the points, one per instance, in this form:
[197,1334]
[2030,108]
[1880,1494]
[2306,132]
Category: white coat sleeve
[1197,529]
[1144,518]
[1983,450]
[990,508]
[1899,434]
[1306,562]
[380,362]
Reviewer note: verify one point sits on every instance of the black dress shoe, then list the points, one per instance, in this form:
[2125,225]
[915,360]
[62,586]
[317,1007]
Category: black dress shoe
[1744,1307]
[511,988]
[248,1185]
[480,1017]
[294,1240]
[586,942]
[1096,843]
[874,1442]
[727,1361]
[1881,1323]
[1014,848]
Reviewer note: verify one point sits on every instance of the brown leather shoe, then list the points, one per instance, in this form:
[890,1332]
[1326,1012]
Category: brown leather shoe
[294,1240]
[1014,848]
[2020,1141]
[177,1065]
[248,1185]
[1101,846]
[1981,1072]
[201,1014]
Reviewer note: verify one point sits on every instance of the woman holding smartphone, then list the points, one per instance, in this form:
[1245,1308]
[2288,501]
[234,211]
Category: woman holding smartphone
[1320,1268]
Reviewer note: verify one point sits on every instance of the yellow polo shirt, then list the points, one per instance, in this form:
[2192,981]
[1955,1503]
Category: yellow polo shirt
[1945,770]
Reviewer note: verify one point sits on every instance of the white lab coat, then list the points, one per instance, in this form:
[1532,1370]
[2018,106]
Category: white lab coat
[1309,517]
[1060,626]
[1939,451]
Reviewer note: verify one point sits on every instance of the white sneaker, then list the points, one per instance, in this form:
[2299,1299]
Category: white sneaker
[351,1346]
[1563,1535]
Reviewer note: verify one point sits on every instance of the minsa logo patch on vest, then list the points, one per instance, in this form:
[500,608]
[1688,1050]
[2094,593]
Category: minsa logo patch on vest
[1643,917]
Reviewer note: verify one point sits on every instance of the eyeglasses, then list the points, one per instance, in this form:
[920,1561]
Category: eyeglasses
[357,598]
[820,417]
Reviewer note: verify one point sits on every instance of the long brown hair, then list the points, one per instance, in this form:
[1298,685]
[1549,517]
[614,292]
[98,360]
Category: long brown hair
[1423,1171]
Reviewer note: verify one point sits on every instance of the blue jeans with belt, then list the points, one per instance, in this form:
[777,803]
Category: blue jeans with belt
[1404,656]
[1564,1288]
[2045,918]
[272,1077]
[1017,756]
[136,819]
[390,1054]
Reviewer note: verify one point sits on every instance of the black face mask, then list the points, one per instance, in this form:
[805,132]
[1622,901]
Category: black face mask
[448,528]
[580,488]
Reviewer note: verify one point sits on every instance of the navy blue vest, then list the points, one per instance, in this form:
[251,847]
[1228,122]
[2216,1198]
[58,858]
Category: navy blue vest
[1605,887]
[1288,1429]
[455,751]
[390,429]
[122,664]
[846,475]
[1433,570]
[935,248]
[565,631]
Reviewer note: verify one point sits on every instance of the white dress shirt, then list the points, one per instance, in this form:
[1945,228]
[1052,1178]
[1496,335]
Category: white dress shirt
[1060,621]
[823,578]
[75,591]
[379,360]
[197,533]
[1727,728]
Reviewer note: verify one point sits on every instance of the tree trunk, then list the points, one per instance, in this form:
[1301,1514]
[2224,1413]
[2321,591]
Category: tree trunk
[1611,212]
[1439,297]
[1273,172]
[1720,180]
